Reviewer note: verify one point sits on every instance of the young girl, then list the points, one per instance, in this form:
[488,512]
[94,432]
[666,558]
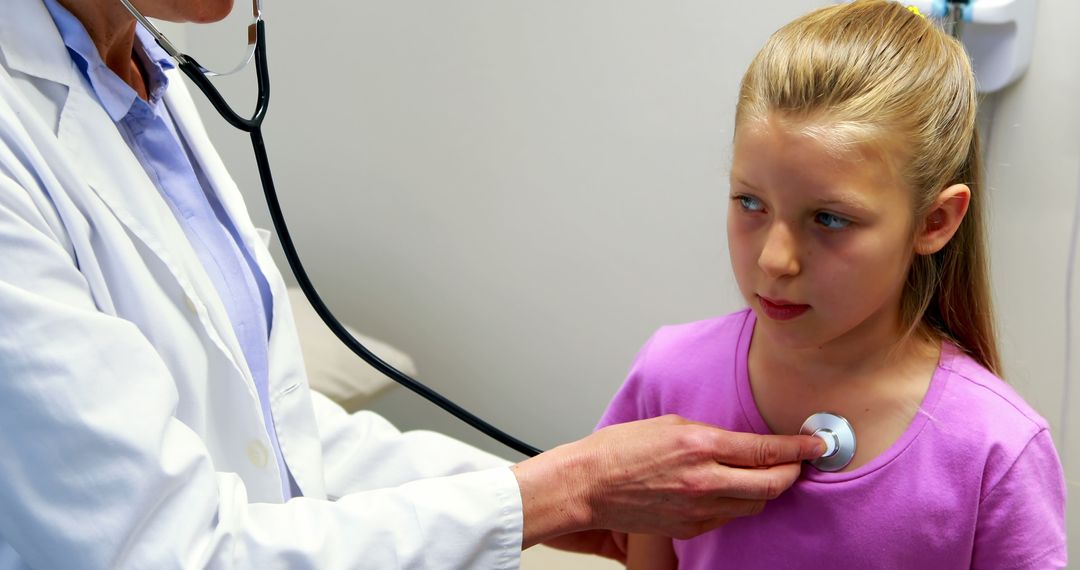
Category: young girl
[855,231]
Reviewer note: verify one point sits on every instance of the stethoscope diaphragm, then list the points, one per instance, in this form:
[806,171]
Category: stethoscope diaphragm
[839,438]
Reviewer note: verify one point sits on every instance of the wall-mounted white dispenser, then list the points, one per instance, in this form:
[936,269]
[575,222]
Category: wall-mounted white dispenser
[999,35]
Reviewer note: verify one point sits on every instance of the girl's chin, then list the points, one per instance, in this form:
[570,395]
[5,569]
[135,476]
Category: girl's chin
[790,335]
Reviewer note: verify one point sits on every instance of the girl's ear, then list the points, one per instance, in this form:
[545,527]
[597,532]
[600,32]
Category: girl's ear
[944,217]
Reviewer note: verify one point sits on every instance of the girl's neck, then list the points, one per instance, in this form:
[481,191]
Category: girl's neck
[877,345]
[875,376]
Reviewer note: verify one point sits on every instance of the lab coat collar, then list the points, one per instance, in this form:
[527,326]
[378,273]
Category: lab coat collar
[114,93]
[32,44]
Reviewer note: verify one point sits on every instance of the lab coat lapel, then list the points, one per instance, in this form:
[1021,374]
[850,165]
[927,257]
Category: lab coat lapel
[90,138]
[100,154]
[98,180]
[94,143]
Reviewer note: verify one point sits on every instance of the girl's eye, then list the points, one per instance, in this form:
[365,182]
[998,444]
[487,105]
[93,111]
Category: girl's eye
[831,221]
[750,204]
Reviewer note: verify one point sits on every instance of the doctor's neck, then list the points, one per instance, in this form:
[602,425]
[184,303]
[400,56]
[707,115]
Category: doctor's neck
[112,29]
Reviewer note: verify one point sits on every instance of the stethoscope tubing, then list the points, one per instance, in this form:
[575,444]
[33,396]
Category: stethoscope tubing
[253,126]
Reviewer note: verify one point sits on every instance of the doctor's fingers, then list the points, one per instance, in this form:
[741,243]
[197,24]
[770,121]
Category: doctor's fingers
[754,450]
[752,484]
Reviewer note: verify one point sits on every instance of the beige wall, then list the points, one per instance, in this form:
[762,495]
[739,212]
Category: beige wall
[1034,172]
[518,193]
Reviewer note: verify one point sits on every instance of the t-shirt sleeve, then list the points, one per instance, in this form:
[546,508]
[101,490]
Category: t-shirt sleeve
[633,401]
[1022,517]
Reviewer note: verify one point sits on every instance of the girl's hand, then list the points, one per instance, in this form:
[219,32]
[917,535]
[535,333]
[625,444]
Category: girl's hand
[606,543]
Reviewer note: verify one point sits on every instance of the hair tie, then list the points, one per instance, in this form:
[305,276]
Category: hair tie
[915,10]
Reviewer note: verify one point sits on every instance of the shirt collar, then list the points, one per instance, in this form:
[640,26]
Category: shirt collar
[116,96]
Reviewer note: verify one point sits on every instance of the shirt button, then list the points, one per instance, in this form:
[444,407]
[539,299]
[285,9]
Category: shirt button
[257,454]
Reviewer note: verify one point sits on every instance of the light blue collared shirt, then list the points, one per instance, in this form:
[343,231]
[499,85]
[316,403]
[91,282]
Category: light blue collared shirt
[149,130]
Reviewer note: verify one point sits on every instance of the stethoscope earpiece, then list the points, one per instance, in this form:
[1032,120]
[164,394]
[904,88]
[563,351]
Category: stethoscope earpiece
[839,438]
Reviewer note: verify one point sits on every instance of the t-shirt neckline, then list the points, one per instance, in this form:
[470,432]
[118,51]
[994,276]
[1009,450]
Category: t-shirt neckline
[753,415]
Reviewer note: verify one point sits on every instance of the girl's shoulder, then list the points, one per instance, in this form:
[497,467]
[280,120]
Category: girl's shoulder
[688,369]
[680,353]
[984,414]
[713,336]
[982,391]
[990,444]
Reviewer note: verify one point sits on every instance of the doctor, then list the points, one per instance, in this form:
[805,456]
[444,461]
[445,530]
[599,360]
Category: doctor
[153,407]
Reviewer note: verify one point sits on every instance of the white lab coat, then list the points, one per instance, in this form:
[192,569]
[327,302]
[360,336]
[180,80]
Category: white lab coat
[130,430]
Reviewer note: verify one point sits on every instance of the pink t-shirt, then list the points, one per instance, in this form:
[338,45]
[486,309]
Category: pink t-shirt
[974,482]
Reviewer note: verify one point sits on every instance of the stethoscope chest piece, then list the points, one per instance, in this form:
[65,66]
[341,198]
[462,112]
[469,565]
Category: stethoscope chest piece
[839,438]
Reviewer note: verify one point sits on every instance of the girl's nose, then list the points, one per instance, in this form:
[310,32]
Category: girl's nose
[779,254]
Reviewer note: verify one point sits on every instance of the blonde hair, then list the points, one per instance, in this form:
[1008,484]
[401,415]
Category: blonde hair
[873,74]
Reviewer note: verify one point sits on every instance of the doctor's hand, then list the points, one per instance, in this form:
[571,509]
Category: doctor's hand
[665,476]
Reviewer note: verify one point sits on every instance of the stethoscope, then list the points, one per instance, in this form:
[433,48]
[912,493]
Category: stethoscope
[835,430]
[253,126]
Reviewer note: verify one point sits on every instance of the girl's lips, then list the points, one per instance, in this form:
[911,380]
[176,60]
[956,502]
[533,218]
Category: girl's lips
[778,310]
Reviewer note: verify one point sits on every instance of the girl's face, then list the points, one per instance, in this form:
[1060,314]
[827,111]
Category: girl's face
[820,245]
